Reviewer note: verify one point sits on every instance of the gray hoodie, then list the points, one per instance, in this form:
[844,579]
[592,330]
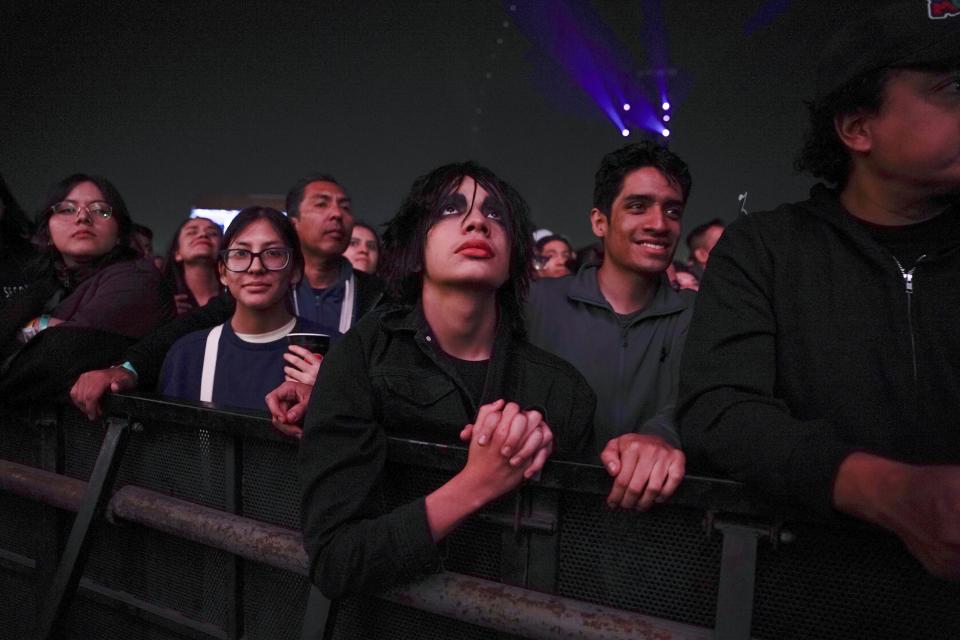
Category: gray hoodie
[632,362]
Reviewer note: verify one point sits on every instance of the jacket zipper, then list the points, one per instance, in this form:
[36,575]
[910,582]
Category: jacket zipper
[908,284]
[624,344]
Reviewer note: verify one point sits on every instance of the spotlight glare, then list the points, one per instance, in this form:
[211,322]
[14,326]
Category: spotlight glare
[665,105]
[625,132]
[626,106]
[665,133]
[666,117]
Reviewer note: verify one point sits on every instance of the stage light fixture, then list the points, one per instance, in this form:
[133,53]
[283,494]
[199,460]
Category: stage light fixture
[665,133]
[625,132]
[666,117]
[626,106]
[665,105]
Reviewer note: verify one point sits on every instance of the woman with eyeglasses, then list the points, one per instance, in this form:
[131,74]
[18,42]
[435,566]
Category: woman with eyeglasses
[239,362]
[86,278]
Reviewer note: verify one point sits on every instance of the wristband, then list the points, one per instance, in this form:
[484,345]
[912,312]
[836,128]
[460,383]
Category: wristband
[129,367]
[42,322]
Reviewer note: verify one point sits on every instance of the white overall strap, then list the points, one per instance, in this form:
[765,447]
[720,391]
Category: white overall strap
[296,300]
[210,363]
[346,309]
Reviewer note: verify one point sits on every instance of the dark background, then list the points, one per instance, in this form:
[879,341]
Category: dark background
[176,99]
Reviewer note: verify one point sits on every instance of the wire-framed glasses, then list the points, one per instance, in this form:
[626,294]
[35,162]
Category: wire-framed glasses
[272,259]
[94,209]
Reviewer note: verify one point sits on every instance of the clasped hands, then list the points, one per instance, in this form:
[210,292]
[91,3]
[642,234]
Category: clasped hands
[507,444]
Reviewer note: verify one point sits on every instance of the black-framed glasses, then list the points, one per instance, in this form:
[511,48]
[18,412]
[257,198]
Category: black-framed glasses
[95,209]
[272,259]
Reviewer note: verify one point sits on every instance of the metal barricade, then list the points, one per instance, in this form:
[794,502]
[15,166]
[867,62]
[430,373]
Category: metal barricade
[187,519]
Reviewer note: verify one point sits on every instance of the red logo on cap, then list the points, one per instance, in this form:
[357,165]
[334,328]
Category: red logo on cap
[942,8]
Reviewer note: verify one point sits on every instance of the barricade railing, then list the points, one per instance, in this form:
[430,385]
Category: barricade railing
[186,526]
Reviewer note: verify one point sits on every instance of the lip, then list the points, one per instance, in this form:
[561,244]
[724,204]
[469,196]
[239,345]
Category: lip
[256,286]
[83,233]
[475,249]
[335,233]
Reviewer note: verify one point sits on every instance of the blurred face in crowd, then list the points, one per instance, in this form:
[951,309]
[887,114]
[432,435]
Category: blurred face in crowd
[468,246]
[706,243]
[261,282]
[199,240]
[142,243]
[640,234]
[81,228]
[325,221]
[554,258]
[363,252]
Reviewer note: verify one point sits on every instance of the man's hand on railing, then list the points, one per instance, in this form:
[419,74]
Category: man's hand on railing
[288,405]
[646,469]
[920,504]
[529,436]
[91,386]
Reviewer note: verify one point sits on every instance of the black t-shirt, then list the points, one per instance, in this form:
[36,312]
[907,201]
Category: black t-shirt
[928,238]
[473,373]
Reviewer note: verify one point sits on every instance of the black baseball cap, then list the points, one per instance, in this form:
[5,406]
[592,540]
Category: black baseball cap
[903,33]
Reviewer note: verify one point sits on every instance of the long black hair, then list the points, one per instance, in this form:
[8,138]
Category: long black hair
[173,270]
[405,235]
[50,258]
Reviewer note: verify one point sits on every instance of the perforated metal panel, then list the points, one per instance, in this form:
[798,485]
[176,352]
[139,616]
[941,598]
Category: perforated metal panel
[90,620]
[274,602]
[18,596]
[271,483]
[660,563]
[161,569]
[186,464]
[830,585]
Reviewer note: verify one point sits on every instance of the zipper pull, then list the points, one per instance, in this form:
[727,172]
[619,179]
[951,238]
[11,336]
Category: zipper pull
[908,279]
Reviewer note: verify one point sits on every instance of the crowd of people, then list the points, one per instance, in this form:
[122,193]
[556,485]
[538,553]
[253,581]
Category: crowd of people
[818,362]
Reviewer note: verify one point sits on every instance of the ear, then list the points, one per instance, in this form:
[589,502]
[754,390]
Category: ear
[599,223]
[294,220]
[221,269]
[855,131]
[700,255]
[296,277]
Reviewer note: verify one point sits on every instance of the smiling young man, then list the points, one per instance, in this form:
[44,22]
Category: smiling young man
[823,363]
[622,325]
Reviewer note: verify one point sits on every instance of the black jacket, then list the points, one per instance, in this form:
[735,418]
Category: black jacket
[806,346]
[147,355]
[383,378]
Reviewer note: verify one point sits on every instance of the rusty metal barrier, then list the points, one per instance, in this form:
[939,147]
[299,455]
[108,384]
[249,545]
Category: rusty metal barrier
[168,480]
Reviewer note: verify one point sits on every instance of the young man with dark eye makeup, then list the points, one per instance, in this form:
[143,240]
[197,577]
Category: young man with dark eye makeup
[448,363]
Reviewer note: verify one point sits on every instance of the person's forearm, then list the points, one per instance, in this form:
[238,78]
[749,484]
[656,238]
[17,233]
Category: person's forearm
[452,503]
[867,487]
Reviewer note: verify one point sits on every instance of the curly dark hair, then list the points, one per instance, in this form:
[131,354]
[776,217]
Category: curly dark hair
[614,167]
[404,236]
[823,154]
